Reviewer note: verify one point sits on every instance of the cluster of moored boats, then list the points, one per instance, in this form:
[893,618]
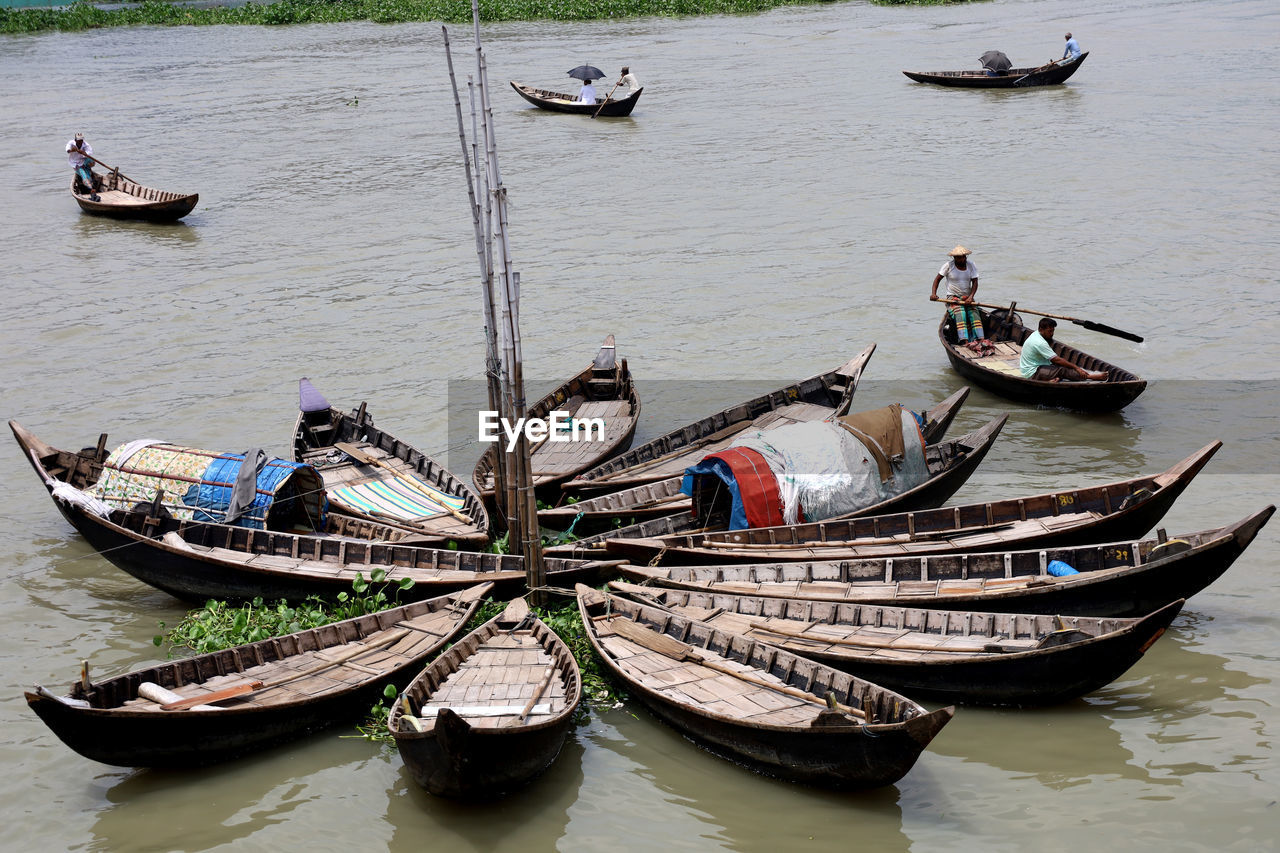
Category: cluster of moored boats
[798,649]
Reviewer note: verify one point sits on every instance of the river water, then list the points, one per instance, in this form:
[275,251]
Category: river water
[781,197]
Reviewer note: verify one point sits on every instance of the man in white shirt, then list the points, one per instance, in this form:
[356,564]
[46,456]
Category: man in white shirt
[588,93]
[962,284]
[77,148]
[629,80]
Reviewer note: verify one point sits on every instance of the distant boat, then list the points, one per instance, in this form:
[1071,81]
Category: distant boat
[122,198]
[559,102]
[1015,78]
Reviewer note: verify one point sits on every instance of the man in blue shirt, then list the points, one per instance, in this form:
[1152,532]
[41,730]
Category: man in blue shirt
[1039,361]
[1073,49]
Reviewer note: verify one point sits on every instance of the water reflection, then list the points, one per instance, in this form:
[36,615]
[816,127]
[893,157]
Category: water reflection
[711,800]
[531,818]
[155,234]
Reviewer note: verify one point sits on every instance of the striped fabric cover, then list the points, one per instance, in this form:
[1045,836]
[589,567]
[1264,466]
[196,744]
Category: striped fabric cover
[395,498]
[967,316]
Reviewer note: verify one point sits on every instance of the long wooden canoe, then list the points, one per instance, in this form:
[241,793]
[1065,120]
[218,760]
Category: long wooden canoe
[961,656]
[999,371]
[121,198]
[275,690]
[603,392]
[1109,512]
[369,473]
[1116,578]
[813,399]
[561,102]
[757,704]
[493,712]
[664,498]
[196,561]
[1049,74]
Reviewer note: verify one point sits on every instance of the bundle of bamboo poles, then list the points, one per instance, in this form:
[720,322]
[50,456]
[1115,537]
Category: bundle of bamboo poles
[500,297]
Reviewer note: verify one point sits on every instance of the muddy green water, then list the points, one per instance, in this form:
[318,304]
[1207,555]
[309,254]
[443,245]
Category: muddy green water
[781,197]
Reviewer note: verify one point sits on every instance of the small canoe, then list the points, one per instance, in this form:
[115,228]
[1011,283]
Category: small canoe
[121,198]
[560,102]
[493,712]
[1119,578]
[813,399]
[196,561]
[1048,74]
[664,498]
[1105,513]
[271,691]
[999,371]
[756,704]
[371,474]
[961,656]
[602,404]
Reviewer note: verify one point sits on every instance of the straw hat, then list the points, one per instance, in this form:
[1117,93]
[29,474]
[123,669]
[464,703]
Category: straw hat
[958,251]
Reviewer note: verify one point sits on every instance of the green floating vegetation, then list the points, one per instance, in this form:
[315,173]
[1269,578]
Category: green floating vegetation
[219,625]
[83,15]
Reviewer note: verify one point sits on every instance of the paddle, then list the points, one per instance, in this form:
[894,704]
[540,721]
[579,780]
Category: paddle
[117,172]
[1033,71]
[606,99]
[365,459]
[669,646]
[1088,324]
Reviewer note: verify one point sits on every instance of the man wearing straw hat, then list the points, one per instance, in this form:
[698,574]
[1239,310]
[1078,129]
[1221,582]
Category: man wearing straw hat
[76,150]
[962,284]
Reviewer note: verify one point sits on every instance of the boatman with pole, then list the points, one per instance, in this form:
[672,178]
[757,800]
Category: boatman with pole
[77,148]
[1073,49]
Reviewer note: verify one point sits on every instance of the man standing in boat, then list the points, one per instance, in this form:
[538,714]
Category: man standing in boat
[1039,361]
[629,80]
[77,148]
[1073,49]
[962,284]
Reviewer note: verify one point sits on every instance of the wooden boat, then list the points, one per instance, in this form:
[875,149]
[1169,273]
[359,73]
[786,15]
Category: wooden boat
[247,698]
[369,473]
[966,657]
[121,198]
[491,713]
[999,371]
[602,392]
[758,704]
[664,498]
[559,102]
[1117,578]
[196,561]
[1049,74]
[813,399]
[1105,513]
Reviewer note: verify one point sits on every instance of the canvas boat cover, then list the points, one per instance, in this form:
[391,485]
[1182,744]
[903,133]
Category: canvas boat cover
[819,470]
[198,485]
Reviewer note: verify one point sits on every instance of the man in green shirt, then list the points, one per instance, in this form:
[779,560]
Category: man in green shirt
[1040,362]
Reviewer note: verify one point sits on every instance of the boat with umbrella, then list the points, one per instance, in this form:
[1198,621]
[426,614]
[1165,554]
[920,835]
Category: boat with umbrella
[562,102]
[1049,74]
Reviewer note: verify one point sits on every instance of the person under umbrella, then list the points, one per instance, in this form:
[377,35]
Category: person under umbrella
[996,63]
[587,73]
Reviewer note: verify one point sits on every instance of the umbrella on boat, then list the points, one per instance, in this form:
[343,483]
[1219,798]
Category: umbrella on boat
[587,73]
[995,60]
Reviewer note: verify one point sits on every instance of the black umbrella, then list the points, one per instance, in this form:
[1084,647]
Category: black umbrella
[587,73]
[996,61]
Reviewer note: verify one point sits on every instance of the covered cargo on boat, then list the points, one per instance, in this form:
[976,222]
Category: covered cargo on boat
[809,471]
[203,485]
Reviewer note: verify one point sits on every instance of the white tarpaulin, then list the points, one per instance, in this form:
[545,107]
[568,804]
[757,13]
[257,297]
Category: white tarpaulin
[828,471]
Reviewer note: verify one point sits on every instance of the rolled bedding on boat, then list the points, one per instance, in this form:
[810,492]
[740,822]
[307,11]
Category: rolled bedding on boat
[199,484]
[819,470]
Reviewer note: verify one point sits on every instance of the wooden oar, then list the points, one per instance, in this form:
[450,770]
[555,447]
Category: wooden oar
[537,694]
[606,100]
[365,459]
[1088,324]
[246,687]
[870,642]
[669,646]
[108,168]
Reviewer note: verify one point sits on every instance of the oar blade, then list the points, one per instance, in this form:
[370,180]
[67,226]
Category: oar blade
[1108,330]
